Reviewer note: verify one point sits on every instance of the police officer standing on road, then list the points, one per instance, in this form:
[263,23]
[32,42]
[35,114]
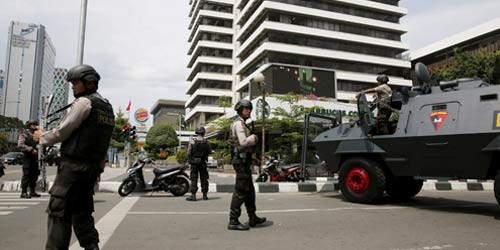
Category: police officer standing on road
[85,133]
[198,150]
[28,144]
[243,142]
[384,94]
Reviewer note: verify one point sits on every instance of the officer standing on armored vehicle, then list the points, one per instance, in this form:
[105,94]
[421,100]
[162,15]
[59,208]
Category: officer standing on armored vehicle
[85,133]
[243,141]
[28,144]
[198,150]
[384,93]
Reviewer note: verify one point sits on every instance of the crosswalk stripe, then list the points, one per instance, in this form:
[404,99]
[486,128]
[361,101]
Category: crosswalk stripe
[18,203]
[19,199]
[12,207]
[5,213]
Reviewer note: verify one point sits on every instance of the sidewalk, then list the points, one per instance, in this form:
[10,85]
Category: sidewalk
[223,182]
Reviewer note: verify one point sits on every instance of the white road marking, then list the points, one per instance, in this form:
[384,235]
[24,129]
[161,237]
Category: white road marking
[18,203]
[19,199]
[109,222]
[303,210]
[5,212]
[12,207]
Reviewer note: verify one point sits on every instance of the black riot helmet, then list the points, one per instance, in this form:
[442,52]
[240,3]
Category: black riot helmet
[31,122]
[200,131]
[383,79]
[83,72]
[241,104]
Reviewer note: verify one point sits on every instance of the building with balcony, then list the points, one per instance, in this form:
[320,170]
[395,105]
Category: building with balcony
[321,49]
[29,71]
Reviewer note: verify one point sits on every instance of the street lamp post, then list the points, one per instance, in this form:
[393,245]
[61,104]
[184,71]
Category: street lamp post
[81,37]
[260,80]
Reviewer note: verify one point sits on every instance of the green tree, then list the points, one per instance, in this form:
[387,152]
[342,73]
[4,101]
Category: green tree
[117,138]
[289,124]
[472,64]
[161,136]
[8,123]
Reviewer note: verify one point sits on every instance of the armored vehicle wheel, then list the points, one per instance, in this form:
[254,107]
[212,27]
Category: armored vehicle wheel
[361,180]
[403,188]
[497,187]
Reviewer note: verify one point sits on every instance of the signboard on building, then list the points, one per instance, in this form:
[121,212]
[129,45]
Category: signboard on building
[141,115]
[312,83]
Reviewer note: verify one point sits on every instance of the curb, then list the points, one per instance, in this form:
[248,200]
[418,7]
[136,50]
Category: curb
[320,185]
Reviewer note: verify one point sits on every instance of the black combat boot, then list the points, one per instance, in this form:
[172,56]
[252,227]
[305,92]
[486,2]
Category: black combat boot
[234,224]
[191,198]
[205,197]
[25,195]
[34,194]
[255,220]
[93,246]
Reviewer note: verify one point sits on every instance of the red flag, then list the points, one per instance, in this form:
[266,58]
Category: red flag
[128,106]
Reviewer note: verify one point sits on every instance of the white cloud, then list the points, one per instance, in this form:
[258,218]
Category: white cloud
[433,20]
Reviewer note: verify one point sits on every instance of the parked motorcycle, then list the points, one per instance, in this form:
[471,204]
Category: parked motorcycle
[169,179]
[274,172]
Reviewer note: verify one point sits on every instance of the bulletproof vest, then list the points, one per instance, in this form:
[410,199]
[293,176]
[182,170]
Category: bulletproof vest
[89,142]
[200,148]
[28,140]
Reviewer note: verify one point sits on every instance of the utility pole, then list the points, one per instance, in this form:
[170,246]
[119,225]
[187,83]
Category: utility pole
[81,36]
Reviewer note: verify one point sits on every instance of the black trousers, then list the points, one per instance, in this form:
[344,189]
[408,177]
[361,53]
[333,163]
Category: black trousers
[383,116]
[244,192]
[30,173]
[201,170]
[71,206]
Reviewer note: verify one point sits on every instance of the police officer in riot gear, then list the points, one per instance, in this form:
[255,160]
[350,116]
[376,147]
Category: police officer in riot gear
[27,143]
[243,142]
[198,150]
[384,94]
[85,133]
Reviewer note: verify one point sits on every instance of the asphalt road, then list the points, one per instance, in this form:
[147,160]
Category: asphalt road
[434,220]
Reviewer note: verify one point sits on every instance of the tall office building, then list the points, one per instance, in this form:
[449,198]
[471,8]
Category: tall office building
[211,59]
[29,71]
[60,92]
[328,49]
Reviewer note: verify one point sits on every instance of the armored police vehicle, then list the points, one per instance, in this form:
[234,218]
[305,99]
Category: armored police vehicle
[446,130]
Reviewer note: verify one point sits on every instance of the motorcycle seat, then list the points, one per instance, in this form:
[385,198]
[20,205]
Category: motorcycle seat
[287,167]
[164,170]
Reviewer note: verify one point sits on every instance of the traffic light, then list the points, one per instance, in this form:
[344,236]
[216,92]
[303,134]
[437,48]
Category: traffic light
[131,133]
[125,131]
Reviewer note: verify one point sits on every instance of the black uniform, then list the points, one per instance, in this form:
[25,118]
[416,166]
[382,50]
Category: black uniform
[198,154]
[243,141]
[85,133]
[30,161]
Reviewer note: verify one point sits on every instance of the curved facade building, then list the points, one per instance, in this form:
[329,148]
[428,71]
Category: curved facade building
[354,39]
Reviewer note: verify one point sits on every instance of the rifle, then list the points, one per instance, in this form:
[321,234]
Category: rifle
[42,165]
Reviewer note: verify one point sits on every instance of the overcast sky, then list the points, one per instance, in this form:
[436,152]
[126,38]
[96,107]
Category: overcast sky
[139,47]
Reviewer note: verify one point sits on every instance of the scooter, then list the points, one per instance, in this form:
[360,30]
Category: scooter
[273,172]
[169,179]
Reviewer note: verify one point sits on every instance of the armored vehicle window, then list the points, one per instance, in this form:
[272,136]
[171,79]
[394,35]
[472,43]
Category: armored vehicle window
[439,107]
[492,97]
